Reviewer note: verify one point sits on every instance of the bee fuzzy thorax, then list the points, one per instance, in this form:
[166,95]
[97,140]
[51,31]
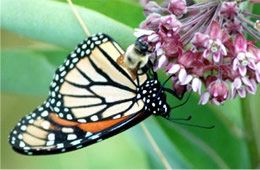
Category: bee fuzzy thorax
[134,56]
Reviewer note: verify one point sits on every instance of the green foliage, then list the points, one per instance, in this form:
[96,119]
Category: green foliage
[27,72]
[116,9]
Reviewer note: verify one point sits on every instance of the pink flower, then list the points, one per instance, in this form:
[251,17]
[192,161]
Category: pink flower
[217,93]
[169,25]
[178,88]
[177,7]
[171,46]
[200,41]
[153,7]
[196,85]
[233,27]
[229,10]
[242,86]
[152,22]
[244,59]
[185,62]
[256,53]
[204,98]
[217,38]
[204,47]
[161,63]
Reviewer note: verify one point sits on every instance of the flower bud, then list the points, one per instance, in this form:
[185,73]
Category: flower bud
[229,10]
[153,7]
[177,7]
[170,23]
[233,27]
[218,90]
[177,87]
[152,22]
[200,41]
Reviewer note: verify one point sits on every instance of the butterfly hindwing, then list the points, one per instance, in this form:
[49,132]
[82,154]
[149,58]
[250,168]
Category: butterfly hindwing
[42,132]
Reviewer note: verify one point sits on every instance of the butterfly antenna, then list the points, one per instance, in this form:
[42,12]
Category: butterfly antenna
[174,107]
[185,119]
[163,84]
[188,124]
[166,80]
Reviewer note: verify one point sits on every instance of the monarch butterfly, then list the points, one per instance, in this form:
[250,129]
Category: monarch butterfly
[93,96]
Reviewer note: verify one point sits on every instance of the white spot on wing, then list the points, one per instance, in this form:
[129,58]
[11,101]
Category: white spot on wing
[40,108]
[76,142]
[23,127]
[22,144]
[94,118]
[67,130]
[20,136]
[79,146]
[49,143]
[44,114]
[95,136]
[82,120]
[56,109]
[84,46]
[72,137]
[69,116]
[60,145]
[75,60]
[117,116]
[51,136]
[87,51]
[88,134]
[73,55]
[45,124]
[26,148]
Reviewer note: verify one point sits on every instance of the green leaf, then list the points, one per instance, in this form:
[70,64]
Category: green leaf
[126,12]
[26,72]
[54,22]
[251,120]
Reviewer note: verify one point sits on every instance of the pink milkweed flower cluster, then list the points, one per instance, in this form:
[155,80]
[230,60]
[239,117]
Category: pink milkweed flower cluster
[203,47]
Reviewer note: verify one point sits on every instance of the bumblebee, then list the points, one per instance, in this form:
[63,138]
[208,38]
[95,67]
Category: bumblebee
[137,55]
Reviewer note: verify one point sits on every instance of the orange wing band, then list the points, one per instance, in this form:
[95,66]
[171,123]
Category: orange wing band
[92,127]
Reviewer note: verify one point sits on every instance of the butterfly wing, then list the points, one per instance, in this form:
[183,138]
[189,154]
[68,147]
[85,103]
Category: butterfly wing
[92,97]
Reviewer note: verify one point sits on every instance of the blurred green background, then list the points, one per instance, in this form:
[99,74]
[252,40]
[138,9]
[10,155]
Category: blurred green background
[36,36]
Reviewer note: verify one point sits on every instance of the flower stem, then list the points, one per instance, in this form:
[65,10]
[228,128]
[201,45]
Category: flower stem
[202,6]
[250,15]
[252,130]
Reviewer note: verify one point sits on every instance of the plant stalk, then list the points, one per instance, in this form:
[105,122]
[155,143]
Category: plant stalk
[252,131]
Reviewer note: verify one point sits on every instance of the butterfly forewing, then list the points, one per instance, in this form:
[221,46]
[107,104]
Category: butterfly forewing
[91,84]
[92,96]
